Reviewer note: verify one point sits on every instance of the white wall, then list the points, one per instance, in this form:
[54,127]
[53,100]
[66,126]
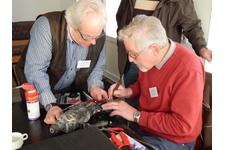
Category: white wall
[111,70]
[24,10]
[204,9]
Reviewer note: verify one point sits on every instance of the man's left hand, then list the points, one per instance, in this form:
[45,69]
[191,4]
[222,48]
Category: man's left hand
[206,54]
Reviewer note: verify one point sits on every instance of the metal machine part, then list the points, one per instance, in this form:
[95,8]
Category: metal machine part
[76,115]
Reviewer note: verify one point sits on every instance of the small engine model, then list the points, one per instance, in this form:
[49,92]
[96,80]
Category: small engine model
[77,115]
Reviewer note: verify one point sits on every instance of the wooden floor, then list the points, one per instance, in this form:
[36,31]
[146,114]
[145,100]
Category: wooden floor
[16,94]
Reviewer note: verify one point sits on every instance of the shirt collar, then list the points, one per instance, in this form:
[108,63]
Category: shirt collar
[168,55]
[69,36]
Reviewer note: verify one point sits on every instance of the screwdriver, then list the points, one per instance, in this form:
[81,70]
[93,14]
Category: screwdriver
[116,88]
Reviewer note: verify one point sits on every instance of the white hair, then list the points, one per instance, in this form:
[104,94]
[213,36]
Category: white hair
[76,12]
[145,30]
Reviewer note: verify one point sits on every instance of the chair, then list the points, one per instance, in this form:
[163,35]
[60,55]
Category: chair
[204,141]
[20,38]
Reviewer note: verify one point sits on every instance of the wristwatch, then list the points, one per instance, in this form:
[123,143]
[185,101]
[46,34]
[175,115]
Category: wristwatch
[49,106]
[137,115]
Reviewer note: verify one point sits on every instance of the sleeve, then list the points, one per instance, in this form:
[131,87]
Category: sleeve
[185,108]
[191,25]
[95,77]
[136,89]
[38,59]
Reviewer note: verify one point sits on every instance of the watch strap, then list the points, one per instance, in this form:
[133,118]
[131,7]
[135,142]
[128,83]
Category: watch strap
[137,115]
[49,106]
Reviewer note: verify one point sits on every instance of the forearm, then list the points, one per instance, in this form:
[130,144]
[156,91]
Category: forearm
[196,38]
[38,60]
[95,78]
[133,90]
[47,97]
[192,29]
[41,83]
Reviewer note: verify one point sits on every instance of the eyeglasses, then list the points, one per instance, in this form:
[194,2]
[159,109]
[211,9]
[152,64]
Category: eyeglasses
[88,38]
[136,55]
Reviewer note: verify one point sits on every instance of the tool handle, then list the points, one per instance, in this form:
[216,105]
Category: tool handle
[117,85]
[125,139]
[116,88]
[118,143]
[115,129]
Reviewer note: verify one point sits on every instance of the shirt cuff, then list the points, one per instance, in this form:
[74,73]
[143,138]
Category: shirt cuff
[96,82]
[46,98]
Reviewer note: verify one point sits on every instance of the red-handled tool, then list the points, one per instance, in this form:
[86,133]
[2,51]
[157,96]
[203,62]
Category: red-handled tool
[92,100]
[125,144]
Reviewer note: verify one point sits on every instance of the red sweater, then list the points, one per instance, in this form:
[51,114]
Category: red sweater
[176,113]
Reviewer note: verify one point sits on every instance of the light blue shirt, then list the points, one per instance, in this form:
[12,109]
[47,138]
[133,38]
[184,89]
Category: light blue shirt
[38,59]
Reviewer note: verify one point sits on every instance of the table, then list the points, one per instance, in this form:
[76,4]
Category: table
[38,130]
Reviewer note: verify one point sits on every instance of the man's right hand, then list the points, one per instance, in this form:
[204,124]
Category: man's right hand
[53,114]
[121,92]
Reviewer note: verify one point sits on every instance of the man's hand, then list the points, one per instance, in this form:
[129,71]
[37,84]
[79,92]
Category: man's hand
[120,108]
[98,93]
[121,92]
[53,114]
[206,54]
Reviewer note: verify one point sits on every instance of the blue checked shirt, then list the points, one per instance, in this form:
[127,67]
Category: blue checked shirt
[38,59]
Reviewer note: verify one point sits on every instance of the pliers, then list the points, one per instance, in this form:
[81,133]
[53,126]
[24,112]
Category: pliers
[125,145]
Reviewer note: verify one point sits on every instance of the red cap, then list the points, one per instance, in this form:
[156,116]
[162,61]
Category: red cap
[28,86]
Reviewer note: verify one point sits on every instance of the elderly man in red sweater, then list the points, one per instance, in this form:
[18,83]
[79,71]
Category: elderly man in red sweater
[170,86]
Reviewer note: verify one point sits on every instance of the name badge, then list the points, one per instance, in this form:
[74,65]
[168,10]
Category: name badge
[153,92]
[83,64]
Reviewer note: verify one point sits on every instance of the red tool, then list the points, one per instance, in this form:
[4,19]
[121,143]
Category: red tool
[93,100]
[125,145]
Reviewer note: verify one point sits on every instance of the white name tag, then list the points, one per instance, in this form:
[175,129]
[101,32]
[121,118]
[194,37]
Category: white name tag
[153,92]
[83,64]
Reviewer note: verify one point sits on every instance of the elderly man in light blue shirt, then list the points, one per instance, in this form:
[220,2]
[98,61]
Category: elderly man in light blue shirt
[78,39]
